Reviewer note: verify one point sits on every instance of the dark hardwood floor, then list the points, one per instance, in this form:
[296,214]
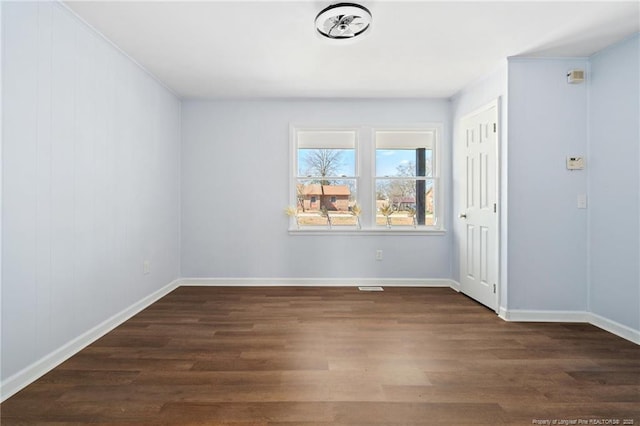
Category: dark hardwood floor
[325,356]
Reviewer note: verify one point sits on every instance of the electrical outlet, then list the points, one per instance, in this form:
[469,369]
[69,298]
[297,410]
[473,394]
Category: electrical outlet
[146,267]
[378,254]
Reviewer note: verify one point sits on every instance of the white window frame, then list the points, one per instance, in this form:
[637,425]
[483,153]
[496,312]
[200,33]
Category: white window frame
[365,175]
[435,166]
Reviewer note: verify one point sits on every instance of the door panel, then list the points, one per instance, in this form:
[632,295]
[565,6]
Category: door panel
[470,252]
[470,186]
[484,259]
[484,178]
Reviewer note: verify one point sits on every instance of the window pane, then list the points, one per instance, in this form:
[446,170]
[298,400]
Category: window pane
[404,162]
[326,162]
[404,202]
[317,204]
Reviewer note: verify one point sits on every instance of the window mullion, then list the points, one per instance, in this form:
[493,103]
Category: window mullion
[365,170]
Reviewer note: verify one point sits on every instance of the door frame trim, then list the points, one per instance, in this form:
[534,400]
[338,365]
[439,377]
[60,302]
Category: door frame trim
[495,103]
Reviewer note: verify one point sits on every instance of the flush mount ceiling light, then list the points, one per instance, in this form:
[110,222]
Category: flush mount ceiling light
[343,21]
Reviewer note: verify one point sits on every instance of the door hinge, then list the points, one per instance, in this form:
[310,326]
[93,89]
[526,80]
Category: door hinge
[495,208]
[495,127]
[494,289]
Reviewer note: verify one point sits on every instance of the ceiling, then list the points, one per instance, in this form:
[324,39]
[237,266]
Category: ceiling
[265,49]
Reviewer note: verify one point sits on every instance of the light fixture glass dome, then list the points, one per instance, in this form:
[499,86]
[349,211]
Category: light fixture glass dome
[343,21]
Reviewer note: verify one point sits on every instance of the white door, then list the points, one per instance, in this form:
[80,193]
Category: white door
[478,230]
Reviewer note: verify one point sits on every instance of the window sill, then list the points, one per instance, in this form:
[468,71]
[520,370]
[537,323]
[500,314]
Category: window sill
[371,231]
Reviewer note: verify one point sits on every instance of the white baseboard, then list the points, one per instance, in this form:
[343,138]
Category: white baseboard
[39,368]
[606,324]
[615,327]
[317,282]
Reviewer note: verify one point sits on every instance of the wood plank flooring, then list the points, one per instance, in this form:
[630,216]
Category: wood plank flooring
[327,356]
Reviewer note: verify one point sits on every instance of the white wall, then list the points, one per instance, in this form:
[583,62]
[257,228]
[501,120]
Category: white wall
[90,176]
[614,183]
[235,183]
[547,242]
[471,98]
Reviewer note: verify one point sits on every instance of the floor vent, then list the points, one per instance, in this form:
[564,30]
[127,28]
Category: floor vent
[370,288]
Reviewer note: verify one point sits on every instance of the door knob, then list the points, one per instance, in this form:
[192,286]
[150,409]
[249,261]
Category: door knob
[462,215]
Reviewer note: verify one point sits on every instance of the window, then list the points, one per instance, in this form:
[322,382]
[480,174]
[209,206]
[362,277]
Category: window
[366,179]
[326,182]
[405,183]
